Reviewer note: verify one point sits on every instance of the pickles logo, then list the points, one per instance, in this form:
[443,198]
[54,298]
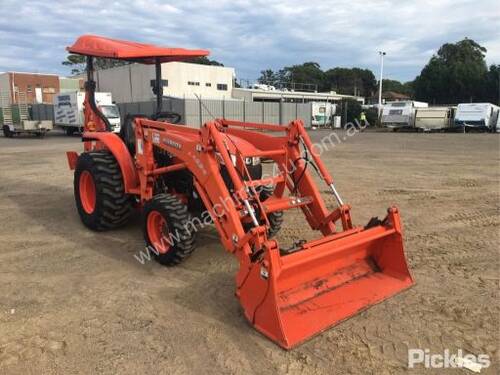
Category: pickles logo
[447,360]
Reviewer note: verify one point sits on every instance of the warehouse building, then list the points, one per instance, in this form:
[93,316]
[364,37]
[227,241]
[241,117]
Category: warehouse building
[134,82]
[35,88]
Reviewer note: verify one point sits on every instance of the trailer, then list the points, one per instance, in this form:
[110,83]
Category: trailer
[400,115]
[434,118]
[322,114]
[477,116]
[68,111]
[21,123]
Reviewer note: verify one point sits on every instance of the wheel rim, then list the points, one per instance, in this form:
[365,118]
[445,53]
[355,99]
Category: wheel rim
[87,192]
[158,232]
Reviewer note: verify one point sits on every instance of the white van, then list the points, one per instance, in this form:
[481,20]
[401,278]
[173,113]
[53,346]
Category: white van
[481,116]
[397,115]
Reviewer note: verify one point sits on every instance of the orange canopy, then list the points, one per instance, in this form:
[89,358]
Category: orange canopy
[93,45]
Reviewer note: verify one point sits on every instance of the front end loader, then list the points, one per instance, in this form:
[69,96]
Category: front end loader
[175,175]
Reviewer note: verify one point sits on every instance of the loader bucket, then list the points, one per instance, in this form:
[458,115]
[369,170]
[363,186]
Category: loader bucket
[291,298]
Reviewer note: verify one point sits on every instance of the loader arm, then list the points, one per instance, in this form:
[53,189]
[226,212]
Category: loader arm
[287,294]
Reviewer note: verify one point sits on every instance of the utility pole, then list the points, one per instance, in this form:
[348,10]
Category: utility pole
[382,54]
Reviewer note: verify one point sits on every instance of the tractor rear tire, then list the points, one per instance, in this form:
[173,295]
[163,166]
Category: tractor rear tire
[99,191]
[167,230]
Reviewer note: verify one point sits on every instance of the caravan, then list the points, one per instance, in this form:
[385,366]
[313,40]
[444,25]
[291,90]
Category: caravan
[322,114]
[479,116]
[434,118]
[398,115]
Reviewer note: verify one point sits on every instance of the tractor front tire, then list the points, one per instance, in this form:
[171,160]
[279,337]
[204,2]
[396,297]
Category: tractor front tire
[99,191]
[275,218]
[167,230]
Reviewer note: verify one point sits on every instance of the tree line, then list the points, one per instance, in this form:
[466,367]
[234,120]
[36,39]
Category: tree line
[456,73]
[352,81]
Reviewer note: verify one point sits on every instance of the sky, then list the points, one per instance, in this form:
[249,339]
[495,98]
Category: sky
[254,35]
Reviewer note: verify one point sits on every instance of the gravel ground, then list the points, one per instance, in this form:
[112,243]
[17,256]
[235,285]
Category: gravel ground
[74,301]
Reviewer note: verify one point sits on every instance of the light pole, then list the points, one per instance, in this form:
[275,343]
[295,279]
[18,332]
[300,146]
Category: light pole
[382,54]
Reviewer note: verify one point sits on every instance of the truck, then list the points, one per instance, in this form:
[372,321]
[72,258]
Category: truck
[400,115]
[477,116]
[434,118]
[68,111]
[322,114]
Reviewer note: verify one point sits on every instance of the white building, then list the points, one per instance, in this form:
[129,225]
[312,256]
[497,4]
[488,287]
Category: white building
[134,82]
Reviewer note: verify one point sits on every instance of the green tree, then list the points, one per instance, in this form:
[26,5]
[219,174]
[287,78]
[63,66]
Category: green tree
[351,81]
[306,73]
[399,87]
[492,85]
[455,74]
[350,111]
[205,61]
[267,77]
[295,76]
[77,63]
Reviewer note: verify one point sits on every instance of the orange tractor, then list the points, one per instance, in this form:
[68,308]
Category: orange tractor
[174,175]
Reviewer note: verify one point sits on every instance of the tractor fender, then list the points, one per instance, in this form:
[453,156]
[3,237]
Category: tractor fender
[117,147]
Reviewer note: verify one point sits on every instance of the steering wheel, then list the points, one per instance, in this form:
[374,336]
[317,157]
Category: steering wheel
[167,116]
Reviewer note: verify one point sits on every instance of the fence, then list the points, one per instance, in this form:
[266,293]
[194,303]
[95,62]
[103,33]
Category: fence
[196,112]
[16,118]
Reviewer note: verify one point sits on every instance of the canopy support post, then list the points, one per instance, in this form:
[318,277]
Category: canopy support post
[90,87]
[159,86]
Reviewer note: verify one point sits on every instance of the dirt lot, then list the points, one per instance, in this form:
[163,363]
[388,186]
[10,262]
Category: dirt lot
[73,301]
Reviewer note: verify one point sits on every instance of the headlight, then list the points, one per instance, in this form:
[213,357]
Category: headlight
[252,161]
[248,160]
